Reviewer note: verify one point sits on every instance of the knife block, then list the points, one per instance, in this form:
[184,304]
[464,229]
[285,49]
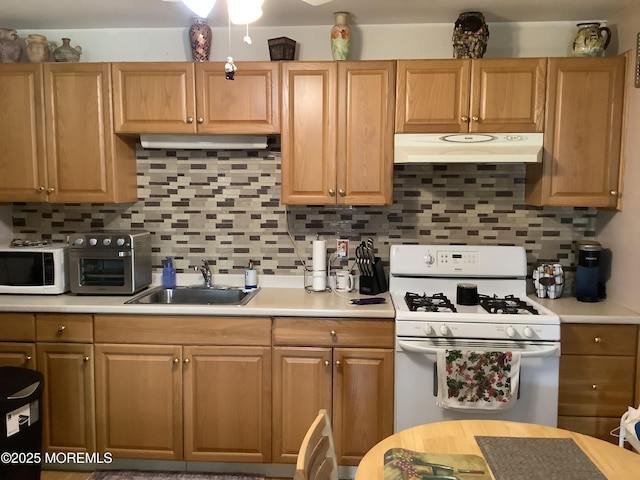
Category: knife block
[376,283]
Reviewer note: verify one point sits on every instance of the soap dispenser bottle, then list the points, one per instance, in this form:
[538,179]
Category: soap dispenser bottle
[250,277]
[168,274]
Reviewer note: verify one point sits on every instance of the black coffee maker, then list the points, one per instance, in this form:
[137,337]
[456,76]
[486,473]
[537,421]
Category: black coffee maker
[588,271]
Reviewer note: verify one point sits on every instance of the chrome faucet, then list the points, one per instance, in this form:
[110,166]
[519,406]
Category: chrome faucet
[206,273]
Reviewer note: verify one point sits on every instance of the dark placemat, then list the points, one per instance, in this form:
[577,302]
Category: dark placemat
[513,458]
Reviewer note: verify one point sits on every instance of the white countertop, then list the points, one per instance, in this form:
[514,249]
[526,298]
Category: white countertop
[570,310]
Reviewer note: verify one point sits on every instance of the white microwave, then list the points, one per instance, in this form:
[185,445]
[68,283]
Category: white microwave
[37,270]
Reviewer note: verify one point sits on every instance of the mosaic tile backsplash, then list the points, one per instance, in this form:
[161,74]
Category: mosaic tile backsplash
[225,207]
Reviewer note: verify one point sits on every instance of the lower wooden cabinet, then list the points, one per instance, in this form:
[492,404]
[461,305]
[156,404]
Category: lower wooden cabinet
[17,340]
[65,358]
[204,396]
[343,366]
[597,377]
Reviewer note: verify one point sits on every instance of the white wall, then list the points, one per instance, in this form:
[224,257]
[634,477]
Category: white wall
[620,231]
[368,42]
[6,232]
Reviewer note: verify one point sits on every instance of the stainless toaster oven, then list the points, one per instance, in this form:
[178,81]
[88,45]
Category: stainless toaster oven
[109,262]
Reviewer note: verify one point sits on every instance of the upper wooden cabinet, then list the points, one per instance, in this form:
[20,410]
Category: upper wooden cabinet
[481,95]
[582,142]
[181,97]
[58,143]
[337,132]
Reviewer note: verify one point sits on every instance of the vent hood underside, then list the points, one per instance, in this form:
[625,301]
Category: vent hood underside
[204,142]
[468,148]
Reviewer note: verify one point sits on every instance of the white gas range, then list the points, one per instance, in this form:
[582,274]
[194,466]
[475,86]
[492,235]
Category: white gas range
[469,298]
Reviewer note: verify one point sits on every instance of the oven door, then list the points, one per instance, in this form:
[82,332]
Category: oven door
[101,272]
[416,383]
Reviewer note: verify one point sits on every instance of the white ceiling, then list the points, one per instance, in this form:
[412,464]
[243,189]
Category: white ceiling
[81,14]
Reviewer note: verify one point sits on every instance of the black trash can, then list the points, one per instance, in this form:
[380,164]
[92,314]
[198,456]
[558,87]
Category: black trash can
[21,430]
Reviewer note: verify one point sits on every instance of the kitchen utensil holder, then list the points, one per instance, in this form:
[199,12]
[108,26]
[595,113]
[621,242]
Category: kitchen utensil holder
[376,283]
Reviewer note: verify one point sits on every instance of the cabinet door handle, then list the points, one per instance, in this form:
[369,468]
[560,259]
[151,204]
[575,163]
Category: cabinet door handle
[189,120]
[338,364]
[465,119]
[61,330]
[332,192]
[27,358]
[51,190]
[85,359]
[327,363]
[475,118]
[200,120]
[40,189]
[613,192]
[597,340]
[186,361]
[594,387]
[176,361]
[342,192]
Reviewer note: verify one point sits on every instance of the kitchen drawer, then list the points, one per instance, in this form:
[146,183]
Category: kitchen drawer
[322,332]
[581,339]
[17,327]
[64,328]
[599,427]
[600,386]
[183,330]
[15,354]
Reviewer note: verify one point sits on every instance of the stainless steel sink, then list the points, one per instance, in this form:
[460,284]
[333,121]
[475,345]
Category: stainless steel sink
[195,296]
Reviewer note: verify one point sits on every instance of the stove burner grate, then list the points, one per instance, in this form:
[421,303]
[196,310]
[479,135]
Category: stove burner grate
[509,304]
[428,303]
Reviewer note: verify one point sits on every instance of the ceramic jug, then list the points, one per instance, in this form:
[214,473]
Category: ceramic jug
[591,40]
[37,48]
[10,49]
[67,53]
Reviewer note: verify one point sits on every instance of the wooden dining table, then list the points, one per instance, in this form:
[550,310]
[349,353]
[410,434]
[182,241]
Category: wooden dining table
[459,437]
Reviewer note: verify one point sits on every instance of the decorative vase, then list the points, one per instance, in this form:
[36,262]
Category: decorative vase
[470,35]
[67,53]
[340,37]
[10,49]
[37,48]
[590,41]
[200,39]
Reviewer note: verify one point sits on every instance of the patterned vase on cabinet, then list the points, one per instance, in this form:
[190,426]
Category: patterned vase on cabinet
[67,53]
[591,40]
[37,48]
[10,49]
[470,35]
[340,37]
[200,39]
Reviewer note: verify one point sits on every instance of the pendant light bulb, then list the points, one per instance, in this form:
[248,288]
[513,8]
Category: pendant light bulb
[201,8]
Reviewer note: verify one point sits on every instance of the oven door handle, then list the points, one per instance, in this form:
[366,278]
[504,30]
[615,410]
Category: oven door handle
[543,352]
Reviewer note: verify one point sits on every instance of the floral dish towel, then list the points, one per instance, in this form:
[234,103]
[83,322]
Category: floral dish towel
[477,380]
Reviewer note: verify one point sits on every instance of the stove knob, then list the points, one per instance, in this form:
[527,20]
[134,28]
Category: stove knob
[528,332]
[106,242]
[78,241]
[444,330]
[428,329]
[511,331]
[429,259]
[120,242]
[93,242]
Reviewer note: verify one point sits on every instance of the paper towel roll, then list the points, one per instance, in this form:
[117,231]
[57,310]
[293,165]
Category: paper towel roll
[319,256]
[319,282]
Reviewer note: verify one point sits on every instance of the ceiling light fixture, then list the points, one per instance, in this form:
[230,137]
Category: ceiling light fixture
[241,12]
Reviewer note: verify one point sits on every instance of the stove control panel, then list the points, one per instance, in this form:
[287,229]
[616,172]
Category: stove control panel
[453,330]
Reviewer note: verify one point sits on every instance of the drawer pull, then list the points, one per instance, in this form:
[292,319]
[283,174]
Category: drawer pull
[597,340]
[85,359]
[27,358]
[61,329]
[594,387]
[333,333]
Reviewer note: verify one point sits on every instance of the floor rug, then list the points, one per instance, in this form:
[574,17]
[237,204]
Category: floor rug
[144,475]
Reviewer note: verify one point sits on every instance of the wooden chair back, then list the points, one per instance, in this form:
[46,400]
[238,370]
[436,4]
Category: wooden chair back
[317,456]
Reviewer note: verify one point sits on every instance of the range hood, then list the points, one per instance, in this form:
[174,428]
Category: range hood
[204,142]
[468,148]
